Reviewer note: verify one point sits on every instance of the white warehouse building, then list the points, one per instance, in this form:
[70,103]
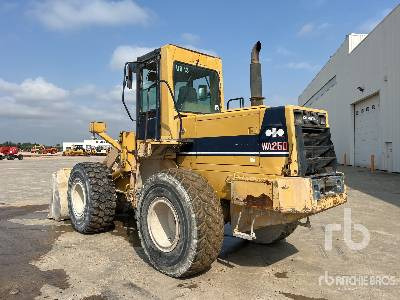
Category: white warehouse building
[87,144]
[360,88]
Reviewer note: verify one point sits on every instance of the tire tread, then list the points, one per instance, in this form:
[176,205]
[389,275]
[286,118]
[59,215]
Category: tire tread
[209,218]
[102,197]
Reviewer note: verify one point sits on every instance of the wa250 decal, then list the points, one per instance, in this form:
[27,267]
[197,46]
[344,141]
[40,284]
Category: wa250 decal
[274,146]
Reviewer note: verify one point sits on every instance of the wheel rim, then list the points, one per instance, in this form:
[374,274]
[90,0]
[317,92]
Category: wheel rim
[78,196]
[163,224]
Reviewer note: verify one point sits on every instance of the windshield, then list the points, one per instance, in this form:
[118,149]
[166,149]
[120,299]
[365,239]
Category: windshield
[196,89]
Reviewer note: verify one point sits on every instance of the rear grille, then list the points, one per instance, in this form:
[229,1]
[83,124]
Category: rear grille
[316,154]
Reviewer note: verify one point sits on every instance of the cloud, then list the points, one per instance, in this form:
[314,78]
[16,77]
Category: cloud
[306,29]
[323,25]
[85,90]
[70,14]
[90,90]
[33,89]
[65,114]
[125,53]
[190,38]
[302,66]
[122,54]
[283,51]
[114,94]
[371,23]
[206,51]
[311,28]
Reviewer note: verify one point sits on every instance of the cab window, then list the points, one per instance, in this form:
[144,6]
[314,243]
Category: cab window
[196,89]
[148,88]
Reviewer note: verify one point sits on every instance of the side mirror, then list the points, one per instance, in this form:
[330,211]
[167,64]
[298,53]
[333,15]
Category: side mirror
[202,91]
[130,69]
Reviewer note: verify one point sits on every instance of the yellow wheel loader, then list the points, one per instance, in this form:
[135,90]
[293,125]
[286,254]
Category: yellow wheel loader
[76,150]
[193,165]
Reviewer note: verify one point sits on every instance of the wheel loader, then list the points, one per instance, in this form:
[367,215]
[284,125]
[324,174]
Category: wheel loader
[191,165]
[76,150]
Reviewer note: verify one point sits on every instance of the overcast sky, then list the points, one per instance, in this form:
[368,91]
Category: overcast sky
[61,61]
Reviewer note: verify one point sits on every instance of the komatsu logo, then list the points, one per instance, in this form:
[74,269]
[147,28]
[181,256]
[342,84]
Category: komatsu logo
[274,132]
[309,118]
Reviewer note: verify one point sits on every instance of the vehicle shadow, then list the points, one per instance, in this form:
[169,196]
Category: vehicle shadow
[379,184]
[125,226]
[236,251]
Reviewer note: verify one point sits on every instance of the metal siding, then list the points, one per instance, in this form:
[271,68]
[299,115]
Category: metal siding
[373,64]
[366,132]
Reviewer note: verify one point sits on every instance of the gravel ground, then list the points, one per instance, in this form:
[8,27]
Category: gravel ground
[48,260]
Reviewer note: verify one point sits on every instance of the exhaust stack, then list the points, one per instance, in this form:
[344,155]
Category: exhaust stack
[255,76]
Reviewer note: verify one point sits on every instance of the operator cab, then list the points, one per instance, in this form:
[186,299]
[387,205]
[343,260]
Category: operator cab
[191,85]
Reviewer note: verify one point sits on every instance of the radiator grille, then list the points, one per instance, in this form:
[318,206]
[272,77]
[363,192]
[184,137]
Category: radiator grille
[316,154]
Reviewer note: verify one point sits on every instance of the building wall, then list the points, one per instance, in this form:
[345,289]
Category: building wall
[373,63]
[70,144]
[96,143]
[86,143]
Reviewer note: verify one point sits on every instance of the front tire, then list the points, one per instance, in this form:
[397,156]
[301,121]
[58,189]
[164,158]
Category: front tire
[91,198]
[180,222]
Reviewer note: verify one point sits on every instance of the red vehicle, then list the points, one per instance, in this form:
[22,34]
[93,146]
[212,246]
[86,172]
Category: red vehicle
[10,153]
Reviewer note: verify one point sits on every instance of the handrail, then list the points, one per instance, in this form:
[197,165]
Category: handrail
[241,102]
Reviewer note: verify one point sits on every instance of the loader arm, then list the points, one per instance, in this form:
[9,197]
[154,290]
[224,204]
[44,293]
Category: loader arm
[100,129]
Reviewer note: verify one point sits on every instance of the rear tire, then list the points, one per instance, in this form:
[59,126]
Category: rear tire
[10,157]
[180,222]
[91,198]
[274,233]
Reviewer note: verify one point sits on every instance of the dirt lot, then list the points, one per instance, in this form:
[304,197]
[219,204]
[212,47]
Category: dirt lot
[48,260]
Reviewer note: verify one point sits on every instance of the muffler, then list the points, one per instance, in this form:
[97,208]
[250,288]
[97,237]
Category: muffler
[255,76]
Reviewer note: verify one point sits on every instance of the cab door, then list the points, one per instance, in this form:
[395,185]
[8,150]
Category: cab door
[148,100]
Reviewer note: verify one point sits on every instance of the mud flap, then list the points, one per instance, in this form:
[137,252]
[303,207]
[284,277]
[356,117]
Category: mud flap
[58,206]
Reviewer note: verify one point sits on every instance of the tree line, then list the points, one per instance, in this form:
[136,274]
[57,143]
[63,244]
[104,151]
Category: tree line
[27,146]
